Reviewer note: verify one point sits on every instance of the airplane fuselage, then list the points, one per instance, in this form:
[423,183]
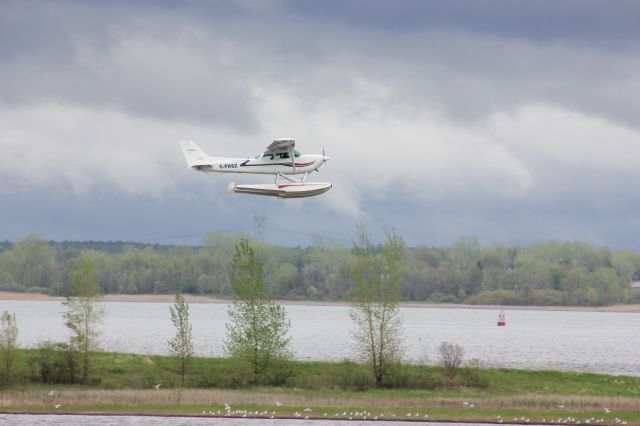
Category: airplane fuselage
[303,164]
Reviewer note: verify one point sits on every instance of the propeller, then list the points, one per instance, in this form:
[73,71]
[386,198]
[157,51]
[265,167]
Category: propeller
[324,158]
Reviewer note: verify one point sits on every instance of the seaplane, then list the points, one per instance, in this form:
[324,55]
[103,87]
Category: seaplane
[280,159]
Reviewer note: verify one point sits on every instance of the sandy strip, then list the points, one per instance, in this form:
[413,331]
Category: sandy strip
[167,298]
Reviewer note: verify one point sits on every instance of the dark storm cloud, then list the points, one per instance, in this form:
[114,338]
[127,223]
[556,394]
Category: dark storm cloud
[467,58]
[119,56]
[610,23]
[507,120]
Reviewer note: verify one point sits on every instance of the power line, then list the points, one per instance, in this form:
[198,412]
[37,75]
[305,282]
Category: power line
[307,234]
[189,236]
[258,228]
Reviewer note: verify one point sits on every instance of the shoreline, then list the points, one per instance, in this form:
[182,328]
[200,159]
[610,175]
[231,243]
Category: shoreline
[216,416]
[169,298]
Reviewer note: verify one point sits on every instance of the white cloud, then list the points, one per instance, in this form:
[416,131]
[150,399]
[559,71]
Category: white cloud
[78,150]
[426,115]
[569,138]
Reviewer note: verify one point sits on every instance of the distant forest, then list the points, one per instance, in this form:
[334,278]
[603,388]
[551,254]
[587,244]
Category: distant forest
[550,273]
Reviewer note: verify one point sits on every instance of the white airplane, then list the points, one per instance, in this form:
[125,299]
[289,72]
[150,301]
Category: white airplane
[279,159]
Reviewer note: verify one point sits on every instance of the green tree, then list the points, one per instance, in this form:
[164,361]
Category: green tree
[258,327]
[375,306]
[83,312]
[34,263]
[576,286]
[181,345]
[625,263]
[8,346]
[611,288]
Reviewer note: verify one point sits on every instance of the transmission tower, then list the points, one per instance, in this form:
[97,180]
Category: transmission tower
[259,221]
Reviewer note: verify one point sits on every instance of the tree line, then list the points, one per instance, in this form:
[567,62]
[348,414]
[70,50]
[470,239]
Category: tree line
[257,340]
[547,273]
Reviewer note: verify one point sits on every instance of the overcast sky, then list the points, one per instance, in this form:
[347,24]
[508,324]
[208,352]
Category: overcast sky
[511,121]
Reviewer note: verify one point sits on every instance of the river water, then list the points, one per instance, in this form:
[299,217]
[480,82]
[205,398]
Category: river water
[567,340]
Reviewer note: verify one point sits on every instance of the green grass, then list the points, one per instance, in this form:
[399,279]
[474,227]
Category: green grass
[127,371]
[123,383]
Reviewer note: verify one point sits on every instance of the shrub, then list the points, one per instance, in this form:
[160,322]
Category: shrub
[546,297]
[53,362]
[277,373]
[36,289]
[237,372]
[496,297]
[438,297]
[451,356]
[407,376]
[472,375]
[354,376]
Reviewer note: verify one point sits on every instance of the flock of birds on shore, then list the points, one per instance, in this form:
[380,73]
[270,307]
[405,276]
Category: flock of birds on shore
[367,415]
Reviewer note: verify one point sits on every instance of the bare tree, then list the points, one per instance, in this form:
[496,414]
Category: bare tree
[258,327]
[8,345]
[181,345]
[375,307]
[83,313]
[451,356]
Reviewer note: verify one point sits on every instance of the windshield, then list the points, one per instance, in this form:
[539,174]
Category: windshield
[269,155]
[265,156]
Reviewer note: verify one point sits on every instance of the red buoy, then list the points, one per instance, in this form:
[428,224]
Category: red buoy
[501,319]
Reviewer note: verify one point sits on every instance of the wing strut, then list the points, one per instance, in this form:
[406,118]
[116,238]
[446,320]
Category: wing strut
[293,159]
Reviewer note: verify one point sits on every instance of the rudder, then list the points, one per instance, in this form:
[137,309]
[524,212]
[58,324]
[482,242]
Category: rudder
[194,155]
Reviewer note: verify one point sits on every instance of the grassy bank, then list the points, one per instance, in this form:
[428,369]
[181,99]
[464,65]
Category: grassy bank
[125,383]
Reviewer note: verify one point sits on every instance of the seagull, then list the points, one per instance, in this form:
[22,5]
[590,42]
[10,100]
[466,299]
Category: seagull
[307,409]
[51,393]
[157,387]
[278,404]
[227,406]
[58,405]
[606,410]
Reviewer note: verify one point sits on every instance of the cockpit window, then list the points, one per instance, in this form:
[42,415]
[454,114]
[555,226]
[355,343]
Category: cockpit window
[266,156]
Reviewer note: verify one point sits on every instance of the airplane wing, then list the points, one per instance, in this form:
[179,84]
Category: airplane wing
[282,145]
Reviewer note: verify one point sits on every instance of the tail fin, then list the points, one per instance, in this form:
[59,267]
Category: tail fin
[195,156]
